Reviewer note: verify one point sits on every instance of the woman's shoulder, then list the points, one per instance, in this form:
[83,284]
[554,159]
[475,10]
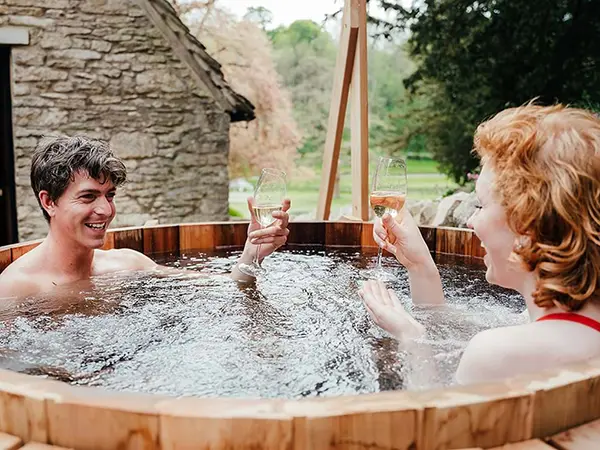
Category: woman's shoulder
[500,353]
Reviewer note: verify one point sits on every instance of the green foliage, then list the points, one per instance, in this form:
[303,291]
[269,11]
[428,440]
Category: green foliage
[477,58]
[390,118]
[301,31]
[305,55]
[305,58]
[235,213]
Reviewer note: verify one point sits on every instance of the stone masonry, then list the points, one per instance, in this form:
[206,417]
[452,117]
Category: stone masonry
[100,68]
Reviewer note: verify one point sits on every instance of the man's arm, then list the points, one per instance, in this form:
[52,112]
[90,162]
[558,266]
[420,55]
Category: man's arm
[14,285]
[129,259]
[135,260]
[261,242]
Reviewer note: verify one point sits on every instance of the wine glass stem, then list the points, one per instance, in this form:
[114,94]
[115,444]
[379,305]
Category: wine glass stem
[256,256]
[379,252]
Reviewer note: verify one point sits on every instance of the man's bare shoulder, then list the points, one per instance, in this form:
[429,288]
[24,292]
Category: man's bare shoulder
[19,278]
[122,259]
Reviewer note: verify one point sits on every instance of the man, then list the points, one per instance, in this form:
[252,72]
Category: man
[75,180]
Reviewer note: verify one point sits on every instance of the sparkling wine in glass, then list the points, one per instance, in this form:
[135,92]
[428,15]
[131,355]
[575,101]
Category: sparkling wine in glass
[388,195]
[269,193]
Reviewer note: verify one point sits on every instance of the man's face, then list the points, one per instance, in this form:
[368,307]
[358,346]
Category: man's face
[84,211]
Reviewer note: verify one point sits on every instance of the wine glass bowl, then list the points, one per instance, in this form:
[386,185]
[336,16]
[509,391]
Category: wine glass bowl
[387,202]
[269,194]
[388,195]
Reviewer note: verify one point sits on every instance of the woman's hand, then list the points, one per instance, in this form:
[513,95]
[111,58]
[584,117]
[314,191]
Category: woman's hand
[402,238]
[387,312]
[269,238]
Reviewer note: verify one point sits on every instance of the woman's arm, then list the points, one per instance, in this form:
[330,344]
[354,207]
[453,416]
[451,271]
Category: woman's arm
[387,312]
[401,237]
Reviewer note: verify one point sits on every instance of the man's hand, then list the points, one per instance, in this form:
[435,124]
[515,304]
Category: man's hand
[387,312]
[263,240]
[269,238]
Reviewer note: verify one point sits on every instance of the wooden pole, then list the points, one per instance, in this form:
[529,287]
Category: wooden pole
[359,122]
[339,102]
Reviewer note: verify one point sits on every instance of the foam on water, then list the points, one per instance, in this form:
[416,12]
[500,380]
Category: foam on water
[300,331]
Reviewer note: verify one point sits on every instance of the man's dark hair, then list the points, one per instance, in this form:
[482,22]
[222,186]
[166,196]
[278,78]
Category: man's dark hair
[56,160]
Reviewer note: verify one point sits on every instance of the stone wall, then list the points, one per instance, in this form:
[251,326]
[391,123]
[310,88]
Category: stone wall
[100,68]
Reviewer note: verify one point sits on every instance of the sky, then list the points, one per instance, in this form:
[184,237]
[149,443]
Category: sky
[286,11]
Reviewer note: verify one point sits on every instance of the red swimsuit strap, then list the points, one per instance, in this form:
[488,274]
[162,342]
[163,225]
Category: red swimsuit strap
[572,317]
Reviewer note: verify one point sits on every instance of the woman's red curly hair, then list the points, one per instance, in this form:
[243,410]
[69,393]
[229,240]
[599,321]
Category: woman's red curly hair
[547,165]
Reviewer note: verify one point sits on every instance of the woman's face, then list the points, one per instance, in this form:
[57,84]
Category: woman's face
[490,225]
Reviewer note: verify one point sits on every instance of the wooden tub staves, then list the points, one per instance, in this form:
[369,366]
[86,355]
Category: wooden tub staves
[552,409]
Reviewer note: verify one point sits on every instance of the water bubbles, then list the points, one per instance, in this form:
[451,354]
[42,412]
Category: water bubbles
[300,331]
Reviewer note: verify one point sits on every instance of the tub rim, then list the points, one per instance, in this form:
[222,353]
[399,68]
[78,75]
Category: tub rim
[492,414]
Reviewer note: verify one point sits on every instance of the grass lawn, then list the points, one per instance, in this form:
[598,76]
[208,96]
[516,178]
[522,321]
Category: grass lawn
[424,183]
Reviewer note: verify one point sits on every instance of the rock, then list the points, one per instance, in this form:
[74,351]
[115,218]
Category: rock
[55,41]
[30,21]
[463,212]
[104,99]
[52,117]
[134,145]
[153,80]
[428,213]
[415,207]
[63,86]
[76,30]
[444,215]
[76,53]
[20,89]
[130,220]
[101,46]
[65,63]
[27,58]
[35,73]
[43,3]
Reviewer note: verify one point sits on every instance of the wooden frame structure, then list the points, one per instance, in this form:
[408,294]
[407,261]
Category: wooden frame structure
[350,80]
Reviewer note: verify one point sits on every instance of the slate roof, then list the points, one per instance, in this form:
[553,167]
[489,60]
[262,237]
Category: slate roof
[205,69]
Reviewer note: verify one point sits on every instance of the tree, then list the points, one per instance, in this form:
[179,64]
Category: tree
[245,53]
[390,113]
[305,57]
[260,16]
[299,32]
[475,58]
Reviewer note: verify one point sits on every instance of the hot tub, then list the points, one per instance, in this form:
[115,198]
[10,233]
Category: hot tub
[520,409]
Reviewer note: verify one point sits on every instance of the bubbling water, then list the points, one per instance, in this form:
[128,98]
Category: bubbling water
[301,330]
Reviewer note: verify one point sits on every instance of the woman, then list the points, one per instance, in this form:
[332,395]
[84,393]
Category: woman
[539,222]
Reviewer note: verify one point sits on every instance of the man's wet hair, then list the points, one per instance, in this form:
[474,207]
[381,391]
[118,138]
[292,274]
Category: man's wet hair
[56,160]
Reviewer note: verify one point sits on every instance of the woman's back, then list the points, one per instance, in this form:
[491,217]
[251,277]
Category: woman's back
[553,341]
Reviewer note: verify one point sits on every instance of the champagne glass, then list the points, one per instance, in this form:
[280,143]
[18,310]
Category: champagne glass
[388,195]
[269,193]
